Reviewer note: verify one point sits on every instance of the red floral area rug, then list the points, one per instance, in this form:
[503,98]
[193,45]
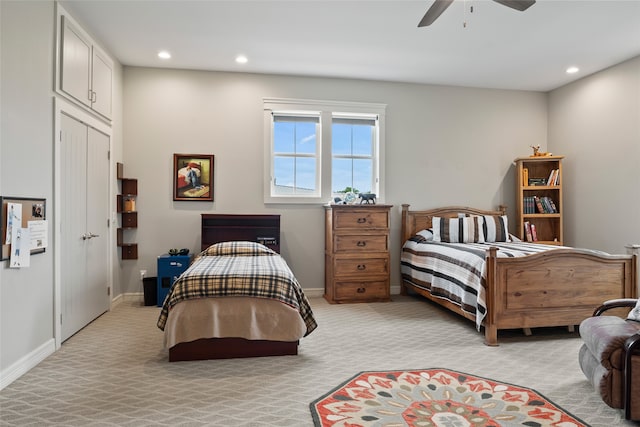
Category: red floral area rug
[437,398]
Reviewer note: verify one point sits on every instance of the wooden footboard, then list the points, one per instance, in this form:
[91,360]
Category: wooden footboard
[555,288]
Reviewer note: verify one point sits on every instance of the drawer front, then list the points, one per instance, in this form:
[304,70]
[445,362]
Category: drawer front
[361,290]
[360,243]
[364,267]
[360,219]
[172,267]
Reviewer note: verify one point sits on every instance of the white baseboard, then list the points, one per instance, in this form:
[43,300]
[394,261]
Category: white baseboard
[26,363]
[133,296]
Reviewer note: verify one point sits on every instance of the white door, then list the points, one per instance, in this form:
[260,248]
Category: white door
[84,174]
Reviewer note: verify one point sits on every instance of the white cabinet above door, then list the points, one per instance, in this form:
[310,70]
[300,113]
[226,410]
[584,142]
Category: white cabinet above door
[101,82]
[85,72]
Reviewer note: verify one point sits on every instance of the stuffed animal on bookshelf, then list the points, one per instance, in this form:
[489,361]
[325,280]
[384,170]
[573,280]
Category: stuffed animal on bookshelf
[538,153]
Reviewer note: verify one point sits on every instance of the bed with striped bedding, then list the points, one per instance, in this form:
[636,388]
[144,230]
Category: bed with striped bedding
[457,272]
[507,285]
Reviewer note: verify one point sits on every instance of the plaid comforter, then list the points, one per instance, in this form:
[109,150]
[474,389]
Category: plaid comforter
[260,276]
[457,271]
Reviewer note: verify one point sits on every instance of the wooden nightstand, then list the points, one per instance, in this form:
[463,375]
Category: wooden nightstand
[357,253]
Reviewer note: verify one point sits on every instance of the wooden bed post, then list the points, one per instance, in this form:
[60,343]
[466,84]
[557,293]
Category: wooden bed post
[634,250]
[405,229]
[492,299]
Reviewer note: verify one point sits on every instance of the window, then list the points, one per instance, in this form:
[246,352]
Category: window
[318,150]
[296,155]
[353,148]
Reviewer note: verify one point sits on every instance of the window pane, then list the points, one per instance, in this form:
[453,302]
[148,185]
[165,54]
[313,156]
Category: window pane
[305,174]
[305,138]
[362,141]
[283,174]
[341,175]
[363,175]
[341,139]
[283,137]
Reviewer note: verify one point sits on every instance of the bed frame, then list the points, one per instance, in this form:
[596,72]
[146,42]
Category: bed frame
[555,288]
[216,228]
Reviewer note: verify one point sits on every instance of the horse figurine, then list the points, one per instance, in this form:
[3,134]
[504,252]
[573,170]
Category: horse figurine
[367,198]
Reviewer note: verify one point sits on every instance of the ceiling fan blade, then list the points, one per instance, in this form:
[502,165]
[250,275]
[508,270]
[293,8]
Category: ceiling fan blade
[520,5]
[434,11]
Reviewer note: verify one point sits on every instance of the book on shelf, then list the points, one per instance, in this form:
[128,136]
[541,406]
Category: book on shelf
[534,234]
[527,231]
[553,177]
[525,176]
[537,181]
[539,204]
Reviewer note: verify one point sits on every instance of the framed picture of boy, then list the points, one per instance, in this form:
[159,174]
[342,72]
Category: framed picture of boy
[193,177]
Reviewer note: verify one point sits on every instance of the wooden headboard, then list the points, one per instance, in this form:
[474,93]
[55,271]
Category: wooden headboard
[414,221]
[218,228]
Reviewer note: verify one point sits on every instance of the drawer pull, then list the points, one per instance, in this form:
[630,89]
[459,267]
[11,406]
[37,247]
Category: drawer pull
[361,267]
[362,220]
[361,290]
[361,243]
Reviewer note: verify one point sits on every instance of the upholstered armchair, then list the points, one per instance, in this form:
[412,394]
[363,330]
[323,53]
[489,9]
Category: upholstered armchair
[610,356]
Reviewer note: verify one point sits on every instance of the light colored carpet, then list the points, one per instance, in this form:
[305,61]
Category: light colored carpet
[115,371]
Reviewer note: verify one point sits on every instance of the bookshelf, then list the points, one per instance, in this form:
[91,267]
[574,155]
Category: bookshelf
[126,207]
[539,199]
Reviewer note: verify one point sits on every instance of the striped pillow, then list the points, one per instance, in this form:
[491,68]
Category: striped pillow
[496,228]
[457,230]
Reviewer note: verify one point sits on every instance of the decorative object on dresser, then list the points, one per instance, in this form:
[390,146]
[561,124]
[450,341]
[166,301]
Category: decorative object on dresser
[507,285]
[126,207]
[357,253]
[539,199]
[193,177]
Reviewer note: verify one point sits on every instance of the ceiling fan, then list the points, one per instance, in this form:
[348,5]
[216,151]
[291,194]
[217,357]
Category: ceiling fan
[440,6]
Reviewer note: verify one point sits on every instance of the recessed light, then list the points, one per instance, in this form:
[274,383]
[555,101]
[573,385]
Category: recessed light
[163,54]
[572,70]
[241,59]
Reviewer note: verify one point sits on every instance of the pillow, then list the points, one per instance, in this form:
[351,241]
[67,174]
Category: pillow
[427,234]
[237,248]
[496,228]
[422,236]
[635,313]
[457,230]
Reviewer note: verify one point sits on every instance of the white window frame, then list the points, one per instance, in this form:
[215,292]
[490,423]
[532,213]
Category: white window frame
[326,110]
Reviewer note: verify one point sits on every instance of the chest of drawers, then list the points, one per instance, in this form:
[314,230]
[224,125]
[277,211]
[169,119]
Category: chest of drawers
[357,253]
[170,267]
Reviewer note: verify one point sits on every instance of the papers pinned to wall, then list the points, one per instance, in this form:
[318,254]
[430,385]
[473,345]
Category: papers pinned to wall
[24,229]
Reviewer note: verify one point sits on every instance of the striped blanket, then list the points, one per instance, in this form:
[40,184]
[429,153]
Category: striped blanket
[457,271]
[265,275]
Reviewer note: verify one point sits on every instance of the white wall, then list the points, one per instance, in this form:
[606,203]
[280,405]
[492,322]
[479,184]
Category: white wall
[444,146]
[27,43]
[26,168]
[595,123]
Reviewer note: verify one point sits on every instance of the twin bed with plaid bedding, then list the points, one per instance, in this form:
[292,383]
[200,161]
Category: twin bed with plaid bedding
[457,271]
[239,269]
